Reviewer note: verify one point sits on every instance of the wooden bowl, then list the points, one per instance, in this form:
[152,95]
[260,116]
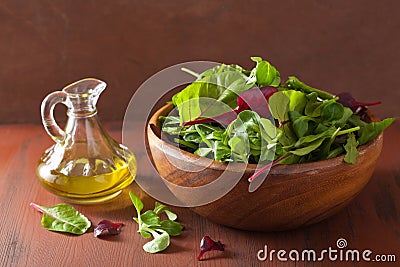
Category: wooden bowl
[292,195]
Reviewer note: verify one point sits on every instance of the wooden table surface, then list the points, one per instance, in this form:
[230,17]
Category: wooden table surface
[371,221]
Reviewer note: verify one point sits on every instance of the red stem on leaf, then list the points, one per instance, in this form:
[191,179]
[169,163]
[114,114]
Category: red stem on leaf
[267,167]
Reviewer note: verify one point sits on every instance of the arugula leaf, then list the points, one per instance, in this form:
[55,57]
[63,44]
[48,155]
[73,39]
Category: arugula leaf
[351,149]
[63,218]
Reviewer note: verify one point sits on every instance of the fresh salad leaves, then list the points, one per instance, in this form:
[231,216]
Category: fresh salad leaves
[63,218]
[150,224]
[232,114]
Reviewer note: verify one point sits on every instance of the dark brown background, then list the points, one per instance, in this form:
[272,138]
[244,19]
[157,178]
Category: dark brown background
[336,45]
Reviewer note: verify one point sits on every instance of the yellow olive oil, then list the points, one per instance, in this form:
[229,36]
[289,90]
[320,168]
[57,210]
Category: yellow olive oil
[102,180]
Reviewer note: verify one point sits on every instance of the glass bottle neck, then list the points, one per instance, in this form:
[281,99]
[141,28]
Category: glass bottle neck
[82,106]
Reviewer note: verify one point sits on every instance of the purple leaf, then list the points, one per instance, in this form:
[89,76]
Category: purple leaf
[347,100]
[106,227]
[207,244]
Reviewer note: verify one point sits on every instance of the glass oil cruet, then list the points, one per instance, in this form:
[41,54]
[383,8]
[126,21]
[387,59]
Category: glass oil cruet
[85,165]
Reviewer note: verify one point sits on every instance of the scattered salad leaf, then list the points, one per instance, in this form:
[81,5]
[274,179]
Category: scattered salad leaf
[106,227]
[150,224]
[207,244]
[63,218]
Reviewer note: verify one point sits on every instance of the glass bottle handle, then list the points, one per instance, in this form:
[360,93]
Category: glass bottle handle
[47,111]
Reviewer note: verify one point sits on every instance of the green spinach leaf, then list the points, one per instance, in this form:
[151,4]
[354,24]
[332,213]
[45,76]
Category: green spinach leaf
[63,218]
[373,129]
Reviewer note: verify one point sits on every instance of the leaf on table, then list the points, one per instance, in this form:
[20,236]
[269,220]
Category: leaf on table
[207,244]
[159,243]
[63,218]
[171,227]
[160,208]
[136,202]
[150,217]
[106,227]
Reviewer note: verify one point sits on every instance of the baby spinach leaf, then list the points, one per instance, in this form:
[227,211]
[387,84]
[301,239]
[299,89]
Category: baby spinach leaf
[279,106]
[351,149]
[299,123]
[312,138]
[265,73]
[331,111]
[335,152]
[313,106]
[341,122]
[311,146]
[63,218]
[373,129]
[297,100]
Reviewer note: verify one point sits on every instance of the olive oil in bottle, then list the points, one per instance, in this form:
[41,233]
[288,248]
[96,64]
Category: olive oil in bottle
[85,165]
